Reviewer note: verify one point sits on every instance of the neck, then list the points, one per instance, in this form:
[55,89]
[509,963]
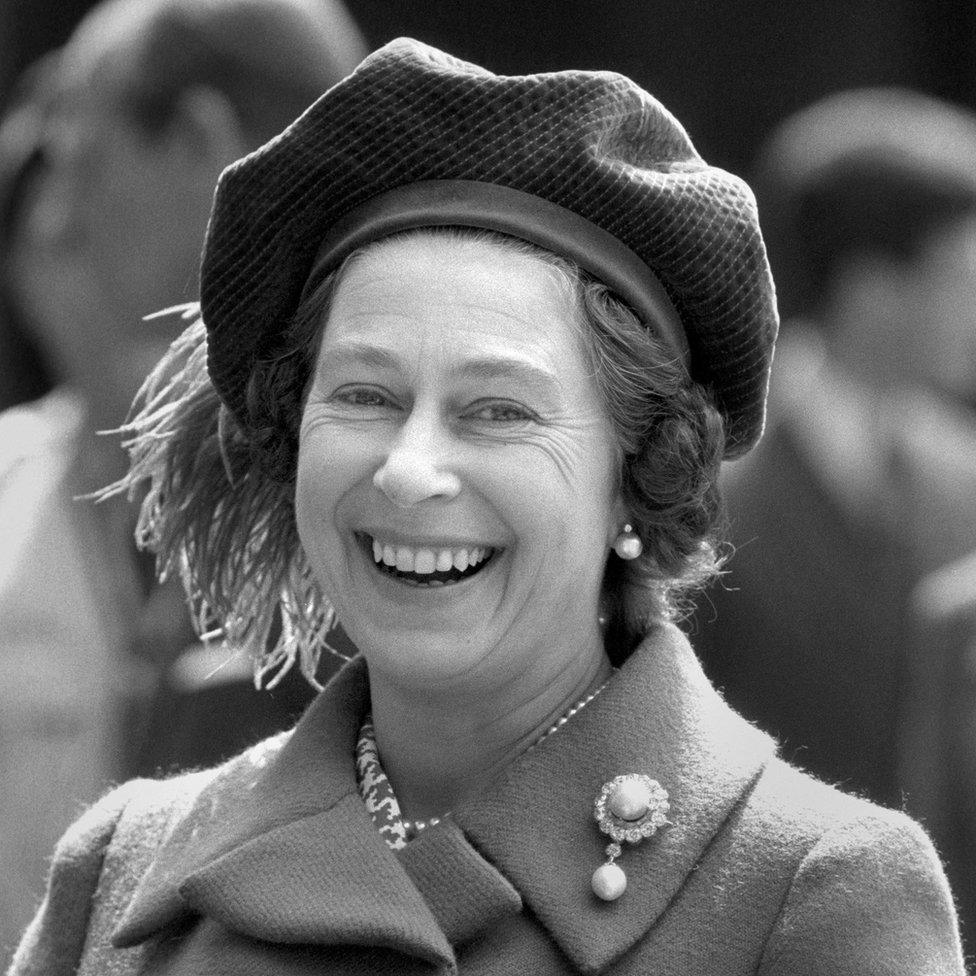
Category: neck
[438,748]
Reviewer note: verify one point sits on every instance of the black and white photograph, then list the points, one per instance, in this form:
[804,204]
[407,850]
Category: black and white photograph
[487,489]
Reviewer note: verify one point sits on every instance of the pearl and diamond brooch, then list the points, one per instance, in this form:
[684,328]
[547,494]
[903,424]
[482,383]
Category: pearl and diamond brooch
[628,808]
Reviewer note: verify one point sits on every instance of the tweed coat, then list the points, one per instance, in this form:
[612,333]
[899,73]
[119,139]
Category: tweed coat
[270,864]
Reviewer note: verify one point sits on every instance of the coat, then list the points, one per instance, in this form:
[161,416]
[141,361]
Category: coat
[270,864]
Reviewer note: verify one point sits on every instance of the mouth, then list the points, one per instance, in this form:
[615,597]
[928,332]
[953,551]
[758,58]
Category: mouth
[426,567]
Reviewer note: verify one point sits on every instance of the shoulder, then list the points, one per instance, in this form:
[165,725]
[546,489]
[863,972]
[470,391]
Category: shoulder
[54,940]
[104,854]
[832,827]
[868,892]
[151,810]
[141,810]
[154,807]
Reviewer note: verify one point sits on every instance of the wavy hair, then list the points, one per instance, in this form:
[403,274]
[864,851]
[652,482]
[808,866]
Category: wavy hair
[219,509]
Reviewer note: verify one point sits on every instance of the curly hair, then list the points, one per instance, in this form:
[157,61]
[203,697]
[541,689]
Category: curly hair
[220,507]
[671,439]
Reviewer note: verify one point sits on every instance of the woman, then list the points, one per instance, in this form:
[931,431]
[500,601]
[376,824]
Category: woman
[473,350]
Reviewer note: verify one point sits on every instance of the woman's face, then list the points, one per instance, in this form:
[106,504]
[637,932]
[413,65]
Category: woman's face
[456,492]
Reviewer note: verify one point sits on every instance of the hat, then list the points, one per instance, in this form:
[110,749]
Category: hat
[586,164]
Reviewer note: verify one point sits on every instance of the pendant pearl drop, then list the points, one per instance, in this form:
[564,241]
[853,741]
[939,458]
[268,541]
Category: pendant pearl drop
[609,882]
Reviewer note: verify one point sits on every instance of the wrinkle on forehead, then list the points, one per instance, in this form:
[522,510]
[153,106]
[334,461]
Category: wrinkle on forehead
[409,279]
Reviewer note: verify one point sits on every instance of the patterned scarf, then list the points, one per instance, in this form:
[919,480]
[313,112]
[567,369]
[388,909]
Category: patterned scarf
[376,791]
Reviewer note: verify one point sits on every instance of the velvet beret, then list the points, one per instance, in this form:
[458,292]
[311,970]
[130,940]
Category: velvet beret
[584,163]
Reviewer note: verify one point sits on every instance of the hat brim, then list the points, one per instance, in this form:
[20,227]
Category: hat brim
[490,206]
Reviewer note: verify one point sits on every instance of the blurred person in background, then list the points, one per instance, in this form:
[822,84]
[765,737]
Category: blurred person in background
[938,755]
[865,480]
[110,159]
[23,374]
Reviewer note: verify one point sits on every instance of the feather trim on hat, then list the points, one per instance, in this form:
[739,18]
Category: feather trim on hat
[211,516]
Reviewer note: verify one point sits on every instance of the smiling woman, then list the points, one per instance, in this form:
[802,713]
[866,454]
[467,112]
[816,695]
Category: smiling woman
[539,357]
[470,353]
[407,439]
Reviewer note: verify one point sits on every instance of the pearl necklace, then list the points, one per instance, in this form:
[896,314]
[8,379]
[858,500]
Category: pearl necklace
[414,827]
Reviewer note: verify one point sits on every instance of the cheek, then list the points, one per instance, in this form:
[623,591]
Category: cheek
[570,510]
[305,506]
[314,503]
[593,485]
[330,464]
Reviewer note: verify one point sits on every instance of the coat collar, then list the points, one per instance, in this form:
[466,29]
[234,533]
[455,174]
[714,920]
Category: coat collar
[280,846]
[659,716]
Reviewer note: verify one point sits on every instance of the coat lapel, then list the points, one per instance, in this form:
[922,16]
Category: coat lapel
[467,895]
[658,716]
[326,879]
[280,847]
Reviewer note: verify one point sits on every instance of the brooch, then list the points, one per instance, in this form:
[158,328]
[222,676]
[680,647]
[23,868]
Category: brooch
[628,808]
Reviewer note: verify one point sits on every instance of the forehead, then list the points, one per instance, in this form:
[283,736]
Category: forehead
[445,294]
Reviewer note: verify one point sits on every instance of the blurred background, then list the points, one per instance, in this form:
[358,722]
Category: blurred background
[730,71]
[846,623]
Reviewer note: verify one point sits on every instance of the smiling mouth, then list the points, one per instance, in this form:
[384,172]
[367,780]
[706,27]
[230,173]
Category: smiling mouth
[426,567]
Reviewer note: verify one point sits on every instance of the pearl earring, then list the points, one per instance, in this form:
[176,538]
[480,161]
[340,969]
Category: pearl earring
[627,545]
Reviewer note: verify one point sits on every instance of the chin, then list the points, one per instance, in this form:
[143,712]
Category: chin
[423,658]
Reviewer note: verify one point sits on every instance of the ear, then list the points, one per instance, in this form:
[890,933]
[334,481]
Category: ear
[205,129]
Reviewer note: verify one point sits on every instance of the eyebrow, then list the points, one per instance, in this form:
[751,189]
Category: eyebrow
[484,368]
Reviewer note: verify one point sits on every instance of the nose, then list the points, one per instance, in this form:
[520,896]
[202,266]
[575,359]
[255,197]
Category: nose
[417,467]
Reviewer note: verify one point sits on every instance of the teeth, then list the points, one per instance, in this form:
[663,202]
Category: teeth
[404,559]
[444,561]
[423,562]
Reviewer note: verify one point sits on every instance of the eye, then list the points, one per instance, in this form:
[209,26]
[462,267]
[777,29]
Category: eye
[500,412]
[361,396]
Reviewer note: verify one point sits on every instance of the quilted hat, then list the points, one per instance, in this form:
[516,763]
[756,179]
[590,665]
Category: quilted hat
[584,163]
